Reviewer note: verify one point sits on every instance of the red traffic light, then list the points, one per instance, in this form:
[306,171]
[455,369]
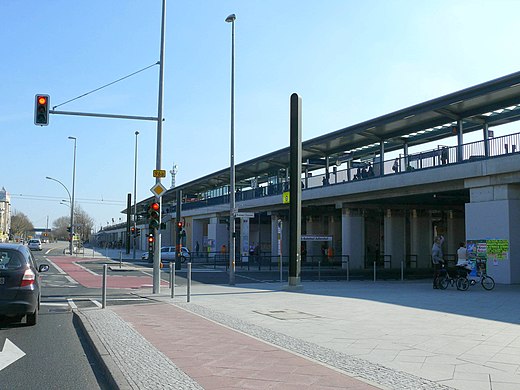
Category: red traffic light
[41,110]
[179,224]
[155,206]
[151,238]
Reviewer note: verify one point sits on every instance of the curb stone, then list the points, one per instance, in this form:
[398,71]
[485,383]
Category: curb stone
[114,376]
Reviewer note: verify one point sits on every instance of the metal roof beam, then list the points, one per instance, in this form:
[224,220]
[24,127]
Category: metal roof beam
[448,113]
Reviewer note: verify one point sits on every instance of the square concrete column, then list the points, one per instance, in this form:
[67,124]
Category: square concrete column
[420,240]
[395,238]
[353,237]
[493,213]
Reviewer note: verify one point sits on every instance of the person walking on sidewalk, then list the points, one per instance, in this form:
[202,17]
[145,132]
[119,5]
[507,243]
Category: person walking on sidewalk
[437,259]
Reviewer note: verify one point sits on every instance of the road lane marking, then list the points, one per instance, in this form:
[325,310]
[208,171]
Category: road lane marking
[71,303]
[70,279]
[9,354]
[55,266]
[96,303]
[84,268]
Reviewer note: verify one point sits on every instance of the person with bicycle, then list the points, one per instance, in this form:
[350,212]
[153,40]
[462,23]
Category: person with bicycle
[462,260]
[437,259]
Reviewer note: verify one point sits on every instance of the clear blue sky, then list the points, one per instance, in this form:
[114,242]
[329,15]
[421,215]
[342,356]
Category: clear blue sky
[349,60]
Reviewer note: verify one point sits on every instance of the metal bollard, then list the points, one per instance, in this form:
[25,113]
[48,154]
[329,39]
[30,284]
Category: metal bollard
[120,259]
[93,253]
[172,280]
[188,295]
[104,287]
[402,270]
[348,271]
[374,271]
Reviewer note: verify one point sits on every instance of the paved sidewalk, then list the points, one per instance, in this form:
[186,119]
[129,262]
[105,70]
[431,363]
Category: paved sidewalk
[329,335]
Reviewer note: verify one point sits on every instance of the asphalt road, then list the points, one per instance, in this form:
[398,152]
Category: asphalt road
[56,354]
[53,354]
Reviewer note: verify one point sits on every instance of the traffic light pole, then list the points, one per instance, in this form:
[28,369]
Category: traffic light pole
[157,249]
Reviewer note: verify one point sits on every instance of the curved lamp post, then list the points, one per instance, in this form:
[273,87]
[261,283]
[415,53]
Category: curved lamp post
[70,200]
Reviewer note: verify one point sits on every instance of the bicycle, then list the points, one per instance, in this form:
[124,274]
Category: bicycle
[486,281]
[445,279]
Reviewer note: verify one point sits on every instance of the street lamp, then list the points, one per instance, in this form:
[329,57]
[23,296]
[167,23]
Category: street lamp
[71,212]
[231,19]
[135,191]
[72,200]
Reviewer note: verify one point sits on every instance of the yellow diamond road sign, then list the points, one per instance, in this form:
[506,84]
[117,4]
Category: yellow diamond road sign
[158,190]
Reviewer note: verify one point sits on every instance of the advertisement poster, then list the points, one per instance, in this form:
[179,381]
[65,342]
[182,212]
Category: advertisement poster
[484,252]
[497,250]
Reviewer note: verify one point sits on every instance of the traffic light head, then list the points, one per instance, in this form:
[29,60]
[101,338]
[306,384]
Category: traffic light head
[151,241]
[41,110]
[154,213]
[179,225]
[132,230]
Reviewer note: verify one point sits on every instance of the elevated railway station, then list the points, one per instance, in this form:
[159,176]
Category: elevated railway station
[374,194]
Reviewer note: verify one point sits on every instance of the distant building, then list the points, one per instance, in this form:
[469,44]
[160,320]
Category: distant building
[5,215]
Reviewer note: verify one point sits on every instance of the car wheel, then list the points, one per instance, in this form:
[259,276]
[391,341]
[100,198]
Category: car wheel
[32,318]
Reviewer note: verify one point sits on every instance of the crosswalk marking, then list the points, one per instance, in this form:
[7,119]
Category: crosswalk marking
[58,304]
[96,303]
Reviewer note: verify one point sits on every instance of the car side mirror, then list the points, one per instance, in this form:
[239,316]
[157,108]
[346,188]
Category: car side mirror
[43,268]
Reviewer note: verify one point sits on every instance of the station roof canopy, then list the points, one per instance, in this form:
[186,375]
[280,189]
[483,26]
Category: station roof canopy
[494,102]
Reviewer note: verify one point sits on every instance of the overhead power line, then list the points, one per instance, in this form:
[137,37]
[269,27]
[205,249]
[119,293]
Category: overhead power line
[59,199]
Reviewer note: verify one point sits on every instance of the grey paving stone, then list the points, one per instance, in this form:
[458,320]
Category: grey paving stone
[382,376]
[141,363]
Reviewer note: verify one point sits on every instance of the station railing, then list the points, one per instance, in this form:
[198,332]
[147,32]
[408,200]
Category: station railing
[362,170]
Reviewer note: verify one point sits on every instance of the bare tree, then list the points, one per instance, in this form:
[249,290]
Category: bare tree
[83,225]
[21,226]
[59,228]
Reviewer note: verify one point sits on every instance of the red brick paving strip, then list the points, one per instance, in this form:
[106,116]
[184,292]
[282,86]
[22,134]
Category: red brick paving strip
[219,358]
[89,280]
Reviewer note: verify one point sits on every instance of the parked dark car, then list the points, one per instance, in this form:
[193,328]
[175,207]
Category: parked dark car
[19,283]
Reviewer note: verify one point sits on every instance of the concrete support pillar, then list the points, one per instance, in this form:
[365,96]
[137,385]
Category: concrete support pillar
[335,232]
[217,235]
[455,232]
[493,213]
[420,241]
[315,225]
[395,238]
[197,233]
[353,237]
